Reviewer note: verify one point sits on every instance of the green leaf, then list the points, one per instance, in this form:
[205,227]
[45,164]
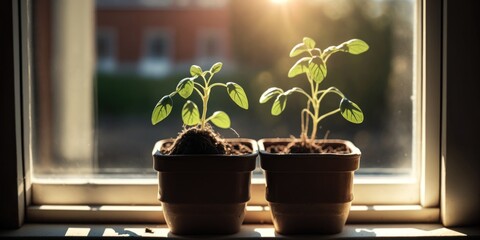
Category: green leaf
[298,49]
[269,93]
[196,71]
[317,69]
[294,89]
[190,113]
[220,119]
[162,109]
[279,104]
[185,87]
[354,46]
[328,51]
[216,67]
[350,111]
[237,94]
[309,43]
[301,66]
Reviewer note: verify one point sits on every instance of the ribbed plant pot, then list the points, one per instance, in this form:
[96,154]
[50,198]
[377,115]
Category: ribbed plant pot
[204,194]
[309,192]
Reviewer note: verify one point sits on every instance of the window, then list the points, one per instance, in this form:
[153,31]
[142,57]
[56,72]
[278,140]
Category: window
[91,136]
[105,50]
[211,46]
[156,60]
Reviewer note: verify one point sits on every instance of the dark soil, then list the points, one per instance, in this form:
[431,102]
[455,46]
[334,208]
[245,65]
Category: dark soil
[203,141]
[303,147]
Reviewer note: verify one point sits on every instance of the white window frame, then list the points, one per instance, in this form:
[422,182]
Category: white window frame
[106,199]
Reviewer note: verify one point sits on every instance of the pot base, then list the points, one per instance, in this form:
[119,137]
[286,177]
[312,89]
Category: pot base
[187,219]
[309,218]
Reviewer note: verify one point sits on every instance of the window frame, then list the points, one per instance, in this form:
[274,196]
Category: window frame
[12,172]
[423,208]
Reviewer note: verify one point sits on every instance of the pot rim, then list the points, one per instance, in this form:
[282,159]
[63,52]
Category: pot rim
[195,163]
[309,162]
[354,150]
[252,142]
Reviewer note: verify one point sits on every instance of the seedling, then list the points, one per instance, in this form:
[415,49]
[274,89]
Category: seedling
[190,113]
[314,66]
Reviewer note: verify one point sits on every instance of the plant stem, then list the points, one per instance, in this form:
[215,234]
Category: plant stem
[315,122]
[328,114]
[204,109]
[317,118]
[206,95]
[325,58]
[316,108]
[218,85]
[305,116]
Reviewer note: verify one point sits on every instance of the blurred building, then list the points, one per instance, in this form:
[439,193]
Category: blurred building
[154,38]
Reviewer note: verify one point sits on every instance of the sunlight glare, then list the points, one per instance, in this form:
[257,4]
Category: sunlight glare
[279,1]
[74,231]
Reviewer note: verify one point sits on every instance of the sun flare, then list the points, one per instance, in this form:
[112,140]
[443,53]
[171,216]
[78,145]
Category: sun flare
[279,1]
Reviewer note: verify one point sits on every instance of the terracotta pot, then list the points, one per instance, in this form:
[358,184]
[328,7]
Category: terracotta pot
[204,194]
[308,192]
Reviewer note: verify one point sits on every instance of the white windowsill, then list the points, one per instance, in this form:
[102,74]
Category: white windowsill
[99,221]
[254,214]
[351,231]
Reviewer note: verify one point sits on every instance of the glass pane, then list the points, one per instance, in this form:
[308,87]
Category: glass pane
[101,66]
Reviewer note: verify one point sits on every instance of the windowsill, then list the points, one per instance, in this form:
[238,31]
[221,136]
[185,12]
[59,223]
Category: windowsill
[254,214]
[351,231]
